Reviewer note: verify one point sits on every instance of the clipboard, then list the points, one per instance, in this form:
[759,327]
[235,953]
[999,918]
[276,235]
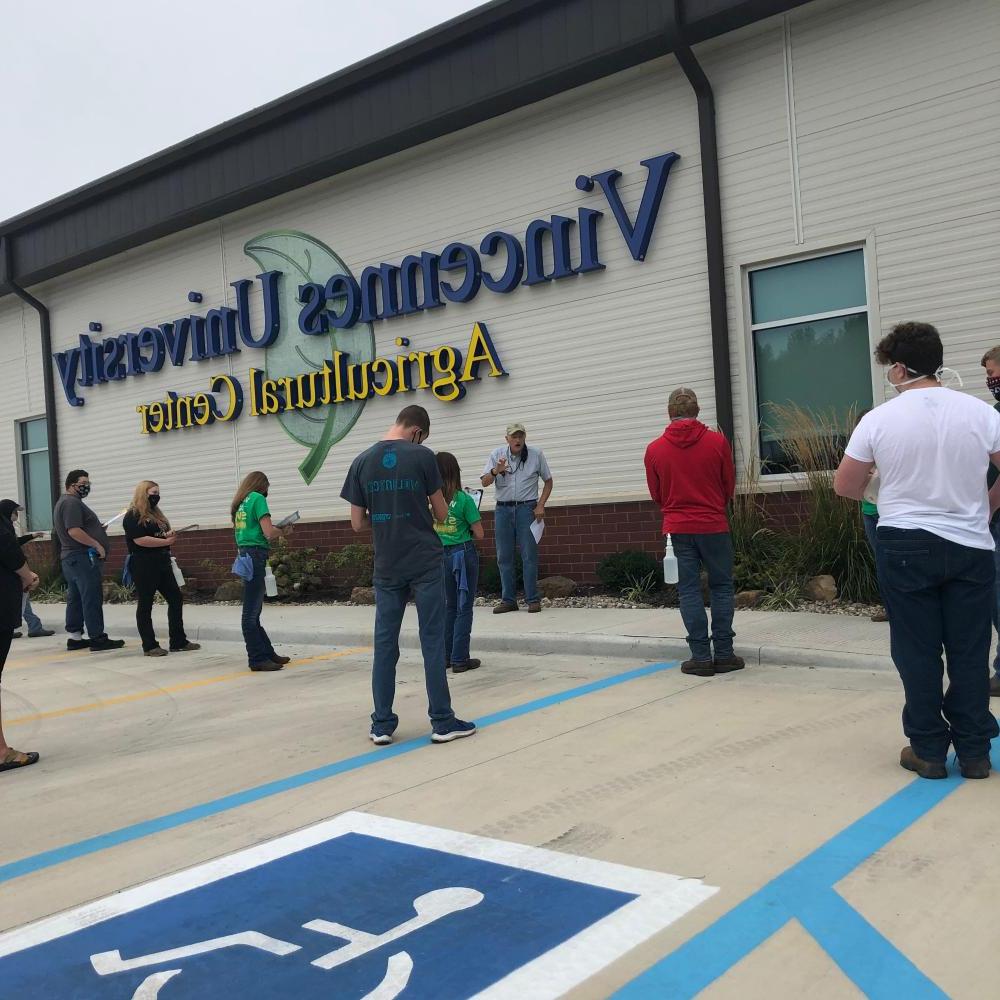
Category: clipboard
[290,520]
[476,495]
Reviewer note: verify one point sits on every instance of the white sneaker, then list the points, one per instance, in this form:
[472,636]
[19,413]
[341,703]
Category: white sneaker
[380,739]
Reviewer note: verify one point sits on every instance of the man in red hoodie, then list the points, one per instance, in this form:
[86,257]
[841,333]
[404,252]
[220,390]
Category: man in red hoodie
[690,473]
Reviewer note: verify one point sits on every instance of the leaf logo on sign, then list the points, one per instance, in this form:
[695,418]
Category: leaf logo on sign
[302,259]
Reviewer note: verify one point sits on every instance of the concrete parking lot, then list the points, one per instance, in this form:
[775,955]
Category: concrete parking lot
[838,874]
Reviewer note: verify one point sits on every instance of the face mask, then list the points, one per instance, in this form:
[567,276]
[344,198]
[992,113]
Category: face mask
[154,500]
[993,384]
[83,490]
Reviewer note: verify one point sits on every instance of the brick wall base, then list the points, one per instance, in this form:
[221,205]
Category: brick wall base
[576,539]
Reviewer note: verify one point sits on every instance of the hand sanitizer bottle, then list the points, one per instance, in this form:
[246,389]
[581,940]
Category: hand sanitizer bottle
[669,563]
[270,584]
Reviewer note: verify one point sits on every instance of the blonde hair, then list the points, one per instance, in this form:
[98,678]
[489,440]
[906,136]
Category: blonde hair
[141,507]
[254,482]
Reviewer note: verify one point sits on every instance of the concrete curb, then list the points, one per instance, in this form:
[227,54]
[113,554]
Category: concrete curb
[647,648]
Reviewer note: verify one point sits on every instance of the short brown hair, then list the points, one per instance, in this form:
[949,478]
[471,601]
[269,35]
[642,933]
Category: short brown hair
[993,354]
[414,416]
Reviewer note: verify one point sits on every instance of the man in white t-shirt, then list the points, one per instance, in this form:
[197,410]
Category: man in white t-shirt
[934,549]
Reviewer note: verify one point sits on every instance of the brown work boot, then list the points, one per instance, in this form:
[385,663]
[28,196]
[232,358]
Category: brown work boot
[534,607]
[727,664]
[978,768]
[995,687]
[925,768]
[701,668]
[503,607]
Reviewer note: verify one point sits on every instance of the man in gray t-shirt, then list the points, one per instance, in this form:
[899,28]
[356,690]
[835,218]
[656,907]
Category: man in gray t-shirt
[83,545]
[391,486]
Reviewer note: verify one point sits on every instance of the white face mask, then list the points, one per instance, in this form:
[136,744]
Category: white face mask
[938,376]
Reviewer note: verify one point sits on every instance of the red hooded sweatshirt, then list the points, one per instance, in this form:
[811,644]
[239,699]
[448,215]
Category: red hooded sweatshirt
[691,476]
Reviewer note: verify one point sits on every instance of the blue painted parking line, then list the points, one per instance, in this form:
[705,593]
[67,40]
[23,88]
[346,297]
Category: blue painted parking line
[361,907]
[806,892]
[170,821]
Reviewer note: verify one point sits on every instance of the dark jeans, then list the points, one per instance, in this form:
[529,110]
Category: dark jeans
[939,595]
[259,648]
[995,532]
[871,526]
[715,553]
[512,528]
[151,574]
[84,596]
[459,603]
[390,603]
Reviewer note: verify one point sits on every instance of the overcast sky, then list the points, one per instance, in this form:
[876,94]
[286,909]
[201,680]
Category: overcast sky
[88,88]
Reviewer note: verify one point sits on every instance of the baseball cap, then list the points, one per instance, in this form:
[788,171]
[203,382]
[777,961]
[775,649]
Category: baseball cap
[682,395]
[515,429]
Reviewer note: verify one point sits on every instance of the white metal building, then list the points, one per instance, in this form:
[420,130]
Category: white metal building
[857,141]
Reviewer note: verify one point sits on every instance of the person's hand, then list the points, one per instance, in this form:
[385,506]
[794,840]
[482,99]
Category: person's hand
[501,466]
[32,582]
[540,512]
[38,534]
[170,537]
[287,530]
[101,554]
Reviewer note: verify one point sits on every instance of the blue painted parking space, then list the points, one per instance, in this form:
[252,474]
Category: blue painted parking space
[360,906]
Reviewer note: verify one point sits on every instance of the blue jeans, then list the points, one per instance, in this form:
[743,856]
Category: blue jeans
[715,553]
[259,648]
[84,596]
[995,532]
[390,603]
[512,526]
[32,620]
[939,595]
[459,603]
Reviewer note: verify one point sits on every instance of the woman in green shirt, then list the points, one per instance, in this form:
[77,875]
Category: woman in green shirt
[461,564]
[254,534]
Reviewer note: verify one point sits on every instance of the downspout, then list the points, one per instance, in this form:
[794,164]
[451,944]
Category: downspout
[712,198]
[48,380]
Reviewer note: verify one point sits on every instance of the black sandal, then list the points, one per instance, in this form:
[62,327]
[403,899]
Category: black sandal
[14,758]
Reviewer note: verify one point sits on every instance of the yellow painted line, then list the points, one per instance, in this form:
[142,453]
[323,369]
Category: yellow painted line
[126,699]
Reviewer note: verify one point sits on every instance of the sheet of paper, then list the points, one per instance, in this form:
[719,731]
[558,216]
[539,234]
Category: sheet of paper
[476,495]
[117,517]
[537,528]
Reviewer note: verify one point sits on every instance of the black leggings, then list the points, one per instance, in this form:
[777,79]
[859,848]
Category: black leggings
[151,574]
[6,638]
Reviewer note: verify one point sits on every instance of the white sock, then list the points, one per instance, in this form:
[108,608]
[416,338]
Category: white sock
[76,635]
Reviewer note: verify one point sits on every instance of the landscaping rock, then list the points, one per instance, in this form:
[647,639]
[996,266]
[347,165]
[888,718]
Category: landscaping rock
[557,586]
[820,588]
[231,590]
[750,598]
[363,595]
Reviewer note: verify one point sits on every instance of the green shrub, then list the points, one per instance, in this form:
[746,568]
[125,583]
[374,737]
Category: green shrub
[353,565]
[489,575]
[298,572]
[623,570]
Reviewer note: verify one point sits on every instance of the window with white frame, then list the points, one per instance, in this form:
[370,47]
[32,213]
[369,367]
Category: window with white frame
[33,446]
[810,347]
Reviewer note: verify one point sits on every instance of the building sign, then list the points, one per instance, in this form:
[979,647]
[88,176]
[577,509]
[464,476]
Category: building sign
[316,332]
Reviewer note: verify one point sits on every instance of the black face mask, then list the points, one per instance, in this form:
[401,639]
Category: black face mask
[154,500]
[83,490]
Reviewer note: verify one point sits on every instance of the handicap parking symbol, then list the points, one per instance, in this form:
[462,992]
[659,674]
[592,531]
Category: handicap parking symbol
[360,906]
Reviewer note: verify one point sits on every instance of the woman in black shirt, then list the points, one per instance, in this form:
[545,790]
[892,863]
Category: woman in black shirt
[148,535]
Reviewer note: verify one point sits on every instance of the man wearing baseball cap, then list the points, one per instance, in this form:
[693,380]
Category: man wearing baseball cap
[691,477]
[516,470]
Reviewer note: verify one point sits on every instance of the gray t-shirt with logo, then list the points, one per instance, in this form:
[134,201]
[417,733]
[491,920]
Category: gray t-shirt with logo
[393,480]
[72,512]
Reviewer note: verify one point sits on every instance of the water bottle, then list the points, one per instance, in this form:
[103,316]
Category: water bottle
[178,575]
[92,556]
[270,584]
[669,563]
